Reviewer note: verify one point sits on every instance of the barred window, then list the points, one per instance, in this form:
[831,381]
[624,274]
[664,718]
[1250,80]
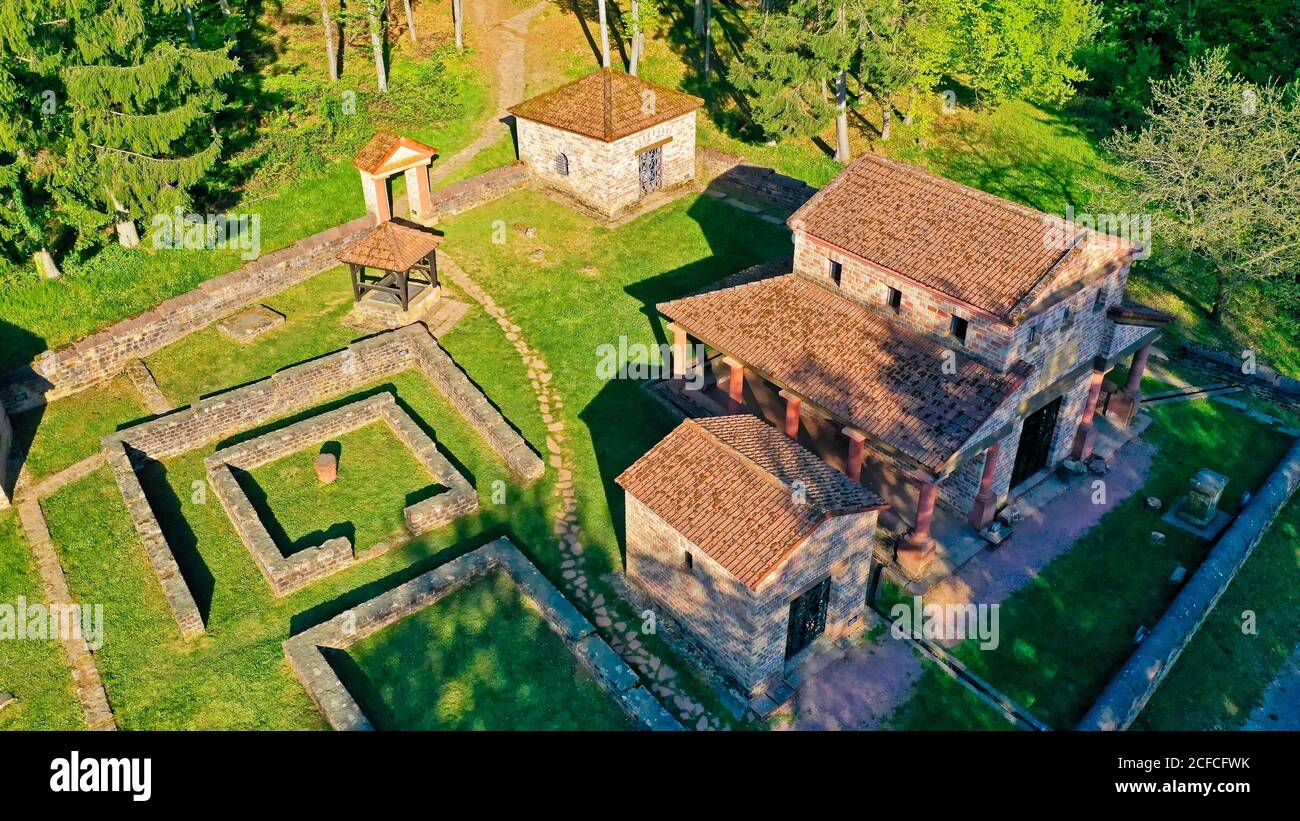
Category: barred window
[562,164]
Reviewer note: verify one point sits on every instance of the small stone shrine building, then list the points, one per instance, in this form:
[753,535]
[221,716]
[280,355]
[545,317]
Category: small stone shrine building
[386,155]
[609,140]
[755,545]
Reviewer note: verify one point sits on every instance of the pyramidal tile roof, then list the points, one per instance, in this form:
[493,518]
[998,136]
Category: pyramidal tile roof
[727,484]
[395,245]
[982,250]
[607,105]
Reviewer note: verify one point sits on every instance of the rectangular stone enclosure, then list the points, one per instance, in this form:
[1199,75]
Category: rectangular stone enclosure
[286,574]
[341,710]
[283,394]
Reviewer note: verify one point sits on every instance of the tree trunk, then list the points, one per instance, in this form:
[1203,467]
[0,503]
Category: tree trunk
[1220,300]
[636,37]
[377,43]
[189,24]
[708,35]
[225,7]
[45,264]
[127,235]
[331,55]
[458,14]
[410,20]
[842,119]
[886,118]
[604,36]
[698,22]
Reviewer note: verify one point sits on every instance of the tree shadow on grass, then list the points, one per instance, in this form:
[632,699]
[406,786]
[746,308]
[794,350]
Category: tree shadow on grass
[184,545]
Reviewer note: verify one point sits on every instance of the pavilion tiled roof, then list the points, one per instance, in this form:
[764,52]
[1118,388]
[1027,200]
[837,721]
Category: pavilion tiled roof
[606,105]
[395,245]
[375,153]
[726,484]
[981,250]
[1129,312]
[877,377]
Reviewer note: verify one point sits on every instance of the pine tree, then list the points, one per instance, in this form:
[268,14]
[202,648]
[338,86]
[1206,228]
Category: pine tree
[141,131]
[783,79]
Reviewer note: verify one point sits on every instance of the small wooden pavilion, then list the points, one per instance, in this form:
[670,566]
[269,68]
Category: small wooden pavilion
[405,254]
[384,157]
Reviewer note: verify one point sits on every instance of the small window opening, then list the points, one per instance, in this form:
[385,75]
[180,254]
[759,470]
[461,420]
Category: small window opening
[562,164]
[690,561]
[836,270]
[958,328]
[895,300]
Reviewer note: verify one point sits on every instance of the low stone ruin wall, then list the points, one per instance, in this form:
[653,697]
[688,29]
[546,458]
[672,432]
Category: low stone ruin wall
[1132,687]
[728,171]
[290,391]
[341,710]
[105,354]
[285,574]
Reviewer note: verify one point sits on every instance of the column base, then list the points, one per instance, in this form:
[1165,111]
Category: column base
[982,511]
[1123,408]
[1084,438]
[915,555]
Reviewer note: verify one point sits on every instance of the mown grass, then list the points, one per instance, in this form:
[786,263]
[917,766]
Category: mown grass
[377,477]
[1066,631]
[1225,671]
[50,438]
[35,671]
[433,670]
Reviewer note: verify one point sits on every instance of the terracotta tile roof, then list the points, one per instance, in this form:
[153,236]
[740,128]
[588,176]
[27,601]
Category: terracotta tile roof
[878,377]
[724,483]
[391,246]
[376,153]
[606,105]
[1129,312]
[982,250]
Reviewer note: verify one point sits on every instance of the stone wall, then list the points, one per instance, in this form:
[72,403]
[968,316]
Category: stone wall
[1131,688]
[341,710]
[285,574]
[603,176]
[729,172]
[290,391]
[744,631]
[105,354]
[6,444]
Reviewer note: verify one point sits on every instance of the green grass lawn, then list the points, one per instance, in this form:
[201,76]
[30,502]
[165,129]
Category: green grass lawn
[208,360]
[1066,632]
[479,659]
[378,477]
[35,671]
[1224,671]
[65,431]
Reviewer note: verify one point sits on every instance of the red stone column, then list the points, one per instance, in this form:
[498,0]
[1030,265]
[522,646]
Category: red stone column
[981,512]
[375,190]
[680,349]
[735,380]
[418,194]
[857,446]
[916,548]
[1124,405]
[793,404]
[1087,433]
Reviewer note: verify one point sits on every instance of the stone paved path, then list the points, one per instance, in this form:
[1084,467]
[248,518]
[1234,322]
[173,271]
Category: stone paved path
[618,619]
[507,37]
[1280,709]
[85,675]
[863,689]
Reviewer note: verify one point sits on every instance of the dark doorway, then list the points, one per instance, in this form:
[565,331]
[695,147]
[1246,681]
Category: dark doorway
[1035,442]
[807,617]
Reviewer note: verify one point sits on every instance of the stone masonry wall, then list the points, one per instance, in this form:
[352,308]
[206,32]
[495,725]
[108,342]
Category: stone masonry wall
[105,354]
[289,391]
[719,169]
[744,631]
[604,176]
[340,709]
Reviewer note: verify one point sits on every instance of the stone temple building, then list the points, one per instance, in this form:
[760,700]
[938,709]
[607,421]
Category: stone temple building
[942,346]
[609,140]
[754,544]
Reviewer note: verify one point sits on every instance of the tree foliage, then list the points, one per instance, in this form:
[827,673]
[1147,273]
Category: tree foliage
[1218,164]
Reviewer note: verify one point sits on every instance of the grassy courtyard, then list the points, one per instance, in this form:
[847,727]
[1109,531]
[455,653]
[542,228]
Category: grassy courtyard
[62,433]
[434,671]
[1066,632]
[377,477]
